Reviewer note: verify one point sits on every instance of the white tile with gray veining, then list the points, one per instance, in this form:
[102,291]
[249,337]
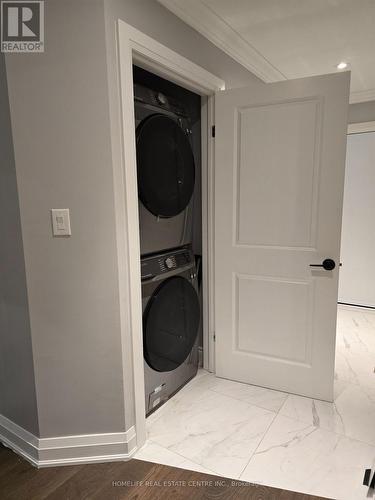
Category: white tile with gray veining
[356,408]
[260,435]
[150,451]
[213,430]
[301,457]
[313,412]
[258,396]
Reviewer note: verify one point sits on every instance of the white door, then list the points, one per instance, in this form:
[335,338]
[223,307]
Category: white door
[279,178]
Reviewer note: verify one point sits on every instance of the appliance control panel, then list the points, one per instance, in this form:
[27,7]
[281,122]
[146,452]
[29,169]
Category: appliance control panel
[154,98]
[166,262]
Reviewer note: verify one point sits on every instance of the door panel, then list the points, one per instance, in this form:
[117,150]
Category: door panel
[284,334]
[279,172]
[296,126]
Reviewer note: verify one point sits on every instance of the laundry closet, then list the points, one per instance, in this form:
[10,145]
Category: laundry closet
[168,149]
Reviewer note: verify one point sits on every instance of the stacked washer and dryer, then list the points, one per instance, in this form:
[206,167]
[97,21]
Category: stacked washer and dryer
[166,181]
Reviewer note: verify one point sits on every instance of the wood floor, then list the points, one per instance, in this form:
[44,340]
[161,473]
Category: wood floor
[134,479]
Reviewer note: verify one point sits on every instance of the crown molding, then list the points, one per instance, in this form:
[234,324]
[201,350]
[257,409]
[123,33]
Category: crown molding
[214,28]
[211,26]
[362,96]
[360,128]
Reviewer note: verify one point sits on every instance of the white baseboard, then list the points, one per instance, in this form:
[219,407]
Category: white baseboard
[67,450]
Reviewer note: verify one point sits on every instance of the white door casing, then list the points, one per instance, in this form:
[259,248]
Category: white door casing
[279,177]
[137,47]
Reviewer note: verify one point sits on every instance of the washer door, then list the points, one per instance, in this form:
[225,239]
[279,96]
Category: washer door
[170,324]
[165,165]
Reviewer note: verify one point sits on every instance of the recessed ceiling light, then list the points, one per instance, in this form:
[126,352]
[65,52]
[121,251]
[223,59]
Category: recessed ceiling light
[342,65]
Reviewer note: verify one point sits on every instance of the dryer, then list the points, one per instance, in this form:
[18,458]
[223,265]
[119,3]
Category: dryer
[165,171]
[171,321]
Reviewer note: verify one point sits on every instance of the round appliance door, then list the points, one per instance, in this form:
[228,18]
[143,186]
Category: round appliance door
[165,166]
[170,324]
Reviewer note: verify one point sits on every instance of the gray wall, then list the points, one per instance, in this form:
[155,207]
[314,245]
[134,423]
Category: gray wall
[153,19]
[362,112]
[66,128]
[60,119]
[17,388]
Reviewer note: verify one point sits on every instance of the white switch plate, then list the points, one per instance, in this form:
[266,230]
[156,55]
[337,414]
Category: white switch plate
[61,222]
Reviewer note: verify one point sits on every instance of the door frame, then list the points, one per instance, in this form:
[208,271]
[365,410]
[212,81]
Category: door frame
[136,47]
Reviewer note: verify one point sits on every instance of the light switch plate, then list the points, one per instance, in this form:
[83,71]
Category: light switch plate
[61,222]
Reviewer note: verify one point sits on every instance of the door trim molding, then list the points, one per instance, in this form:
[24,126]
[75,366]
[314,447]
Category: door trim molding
[163,61]
[136,47]
[67,450]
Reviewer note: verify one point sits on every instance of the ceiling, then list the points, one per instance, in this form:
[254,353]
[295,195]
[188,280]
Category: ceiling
[284,39]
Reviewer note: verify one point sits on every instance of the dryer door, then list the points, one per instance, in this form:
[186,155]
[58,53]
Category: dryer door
[170,324]
[165,165]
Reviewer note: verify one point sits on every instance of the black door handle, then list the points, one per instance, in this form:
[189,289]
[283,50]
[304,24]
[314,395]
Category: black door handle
[327,264]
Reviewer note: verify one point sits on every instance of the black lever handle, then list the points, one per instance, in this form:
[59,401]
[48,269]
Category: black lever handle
[327,264]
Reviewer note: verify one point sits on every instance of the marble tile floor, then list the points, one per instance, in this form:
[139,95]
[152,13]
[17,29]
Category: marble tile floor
[263,436]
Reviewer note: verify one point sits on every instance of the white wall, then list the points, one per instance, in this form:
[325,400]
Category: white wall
[357,275]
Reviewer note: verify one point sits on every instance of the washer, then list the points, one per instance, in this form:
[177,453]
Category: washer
[165,171]
[171,320]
